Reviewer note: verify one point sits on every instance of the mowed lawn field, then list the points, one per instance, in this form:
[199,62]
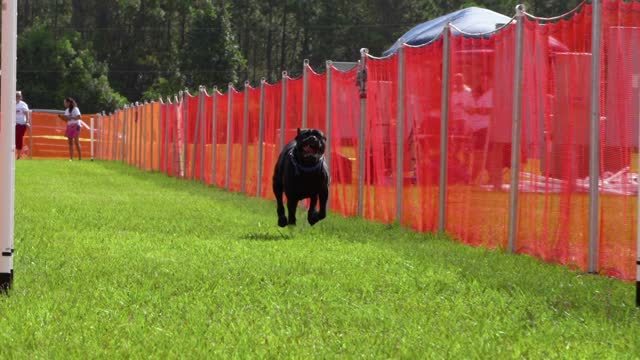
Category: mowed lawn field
[112,262]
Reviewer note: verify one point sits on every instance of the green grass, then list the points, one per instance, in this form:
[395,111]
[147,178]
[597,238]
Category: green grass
[112,262]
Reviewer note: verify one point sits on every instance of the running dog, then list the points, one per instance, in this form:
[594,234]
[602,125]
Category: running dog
[301,173]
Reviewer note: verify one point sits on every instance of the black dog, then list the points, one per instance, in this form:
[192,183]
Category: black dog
[302,173]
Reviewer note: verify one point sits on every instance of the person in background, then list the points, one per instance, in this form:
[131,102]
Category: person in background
[72,117]
[23,120]
[478,123]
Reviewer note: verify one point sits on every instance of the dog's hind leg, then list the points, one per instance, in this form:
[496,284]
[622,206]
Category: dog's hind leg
[277,191]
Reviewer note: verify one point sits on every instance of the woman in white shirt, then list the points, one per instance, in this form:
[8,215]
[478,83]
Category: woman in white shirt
[72,117]
[22,122]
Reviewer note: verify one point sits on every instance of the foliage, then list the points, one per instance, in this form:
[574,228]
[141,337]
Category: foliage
[153,48]
[52,69]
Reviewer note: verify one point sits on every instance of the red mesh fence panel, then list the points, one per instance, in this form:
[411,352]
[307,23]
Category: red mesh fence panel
[293,110]
[620,107]
[345,125]
[164,138]
[208,131]
[237,128]
[46,137]
[173,160]
[221,138]
[380,138]
[317,100]
[272,114]
[192,132]
[422,104]
[479,149]
[251,186]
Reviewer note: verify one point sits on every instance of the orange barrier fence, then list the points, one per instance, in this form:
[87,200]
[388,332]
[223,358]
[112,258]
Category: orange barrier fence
[232,139]
[46,136]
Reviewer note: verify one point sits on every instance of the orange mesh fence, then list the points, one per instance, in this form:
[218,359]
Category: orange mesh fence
[554,203]
[422,114]
[221,138]
[272,115]
[317,103]
[46,137]
[293,109]
[620,107]
[345,125]
[237,126]
[253,117]
[477,207]
[193,137]
[380,139]
[207,128]
[554,153]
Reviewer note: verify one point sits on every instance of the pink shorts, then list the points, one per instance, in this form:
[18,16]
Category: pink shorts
[73,131]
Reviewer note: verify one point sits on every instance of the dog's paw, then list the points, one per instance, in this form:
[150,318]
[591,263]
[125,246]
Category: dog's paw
[282,221]
[313,217]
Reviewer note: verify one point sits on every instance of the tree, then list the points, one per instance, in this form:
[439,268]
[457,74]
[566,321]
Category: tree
[51,69]
[211,54]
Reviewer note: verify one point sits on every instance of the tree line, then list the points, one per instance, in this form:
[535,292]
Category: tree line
[106,53]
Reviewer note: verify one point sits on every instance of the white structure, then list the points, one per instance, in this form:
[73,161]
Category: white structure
[7,134]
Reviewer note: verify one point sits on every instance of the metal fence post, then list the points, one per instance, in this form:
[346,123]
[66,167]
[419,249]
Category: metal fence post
[214,135]
[195,136]
[400,135]
[283,111]
[91,126]
[305,92]
[203,131]
[444,128]
[245,135]
[594,150]
[227,182]
[516,133]
[328,125]
[362,84]
[261,136]
[125,133]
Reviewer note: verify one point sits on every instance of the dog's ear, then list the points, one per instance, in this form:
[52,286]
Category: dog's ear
[298,131]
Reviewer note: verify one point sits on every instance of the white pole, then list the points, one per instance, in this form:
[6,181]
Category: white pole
[203,131]
[283,111]
[7,146]
[227,182]
[214,135]
[305,92]
[594,150]
[328,126]
[516,134]
[92,129]
[261,137]
[444,128]
[196,133]
[245,136]
[362,84]
[638,237]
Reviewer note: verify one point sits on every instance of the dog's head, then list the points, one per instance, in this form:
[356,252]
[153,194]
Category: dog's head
[310,146]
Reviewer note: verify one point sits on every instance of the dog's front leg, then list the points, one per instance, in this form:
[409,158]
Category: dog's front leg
[324,196]
[312,215]
[292,204]
[277,191]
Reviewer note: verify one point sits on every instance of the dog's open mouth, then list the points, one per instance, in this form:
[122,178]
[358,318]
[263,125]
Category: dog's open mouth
[310,150]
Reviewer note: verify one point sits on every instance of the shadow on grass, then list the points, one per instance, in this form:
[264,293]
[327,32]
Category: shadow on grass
[264,236]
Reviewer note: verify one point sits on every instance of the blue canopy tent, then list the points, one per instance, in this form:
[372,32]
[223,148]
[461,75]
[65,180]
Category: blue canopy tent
[472,20]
